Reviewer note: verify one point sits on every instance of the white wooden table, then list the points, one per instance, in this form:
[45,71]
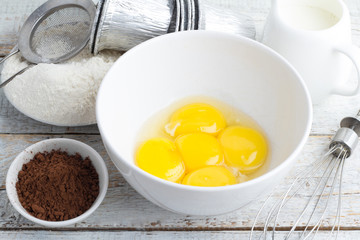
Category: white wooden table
[124,214]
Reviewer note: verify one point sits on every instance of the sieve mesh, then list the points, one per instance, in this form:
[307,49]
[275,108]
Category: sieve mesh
[61,33]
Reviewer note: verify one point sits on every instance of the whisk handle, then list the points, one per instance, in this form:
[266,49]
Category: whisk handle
[13,76]
[352,123]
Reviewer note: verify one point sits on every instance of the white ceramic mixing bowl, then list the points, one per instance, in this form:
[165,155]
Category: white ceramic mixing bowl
[237,71]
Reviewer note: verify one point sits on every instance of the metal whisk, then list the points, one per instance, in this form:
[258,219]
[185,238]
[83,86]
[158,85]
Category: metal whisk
[323,178]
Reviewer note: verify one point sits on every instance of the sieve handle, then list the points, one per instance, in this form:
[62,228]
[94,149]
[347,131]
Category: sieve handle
[16,50]
[13,76]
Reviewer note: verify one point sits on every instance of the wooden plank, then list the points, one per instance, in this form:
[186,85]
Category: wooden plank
[124,209]
[13,121]
[15,12]
[12,145]
[115,235]
[326,115]
[12,16]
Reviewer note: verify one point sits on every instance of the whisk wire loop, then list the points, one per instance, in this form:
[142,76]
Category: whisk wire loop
[320,187]
[313,196]
[304,180]
[302,177]
[338,212]
[316,186]
[337,163]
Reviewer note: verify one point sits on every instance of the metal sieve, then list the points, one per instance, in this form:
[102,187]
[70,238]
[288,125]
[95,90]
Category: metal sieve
[55,32]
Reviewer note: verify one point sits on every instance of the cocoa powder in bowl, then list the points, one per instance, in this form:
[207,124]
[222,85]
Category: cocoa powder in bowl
[56,186]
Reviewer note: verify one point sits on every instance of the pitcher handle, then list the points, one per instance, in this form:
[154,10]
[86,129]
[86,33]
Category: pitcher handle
[353,53]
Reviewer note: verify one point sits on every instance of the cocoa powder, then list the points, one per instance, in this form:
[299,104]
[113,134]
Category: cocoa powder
[57,186]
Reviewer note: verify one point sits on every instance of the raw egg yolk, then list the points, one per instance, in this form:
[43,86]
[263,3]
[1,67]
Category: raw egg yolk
[211,176]
[199,150]
[159,157]
[196,117]
[244,148]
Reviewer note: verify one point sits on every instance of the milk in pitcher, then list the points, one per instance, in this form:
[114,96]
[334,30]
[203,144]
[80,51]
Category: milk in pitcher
[308,17]
[315,37]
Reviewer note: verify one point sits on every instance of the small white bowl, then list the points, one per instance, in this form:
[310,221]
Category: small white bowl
[238,71]
[70,146]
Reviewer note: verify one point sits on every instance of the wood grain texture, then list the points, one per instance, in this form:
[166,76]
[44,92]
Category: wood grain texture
[326,115]
[124,209]
[130,235]
[13,14]
[14,122]
[124,214]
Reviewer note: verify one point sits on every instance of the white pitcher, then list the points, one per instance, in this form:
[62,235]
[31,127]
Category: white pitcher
[315,37]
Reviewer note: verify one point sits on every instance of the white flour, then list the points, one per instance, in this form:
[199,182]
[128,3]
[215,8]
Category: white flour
[60,94]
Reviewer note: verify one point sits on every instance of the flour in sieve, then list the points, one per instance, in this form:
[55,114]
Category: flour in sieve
[60,94]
